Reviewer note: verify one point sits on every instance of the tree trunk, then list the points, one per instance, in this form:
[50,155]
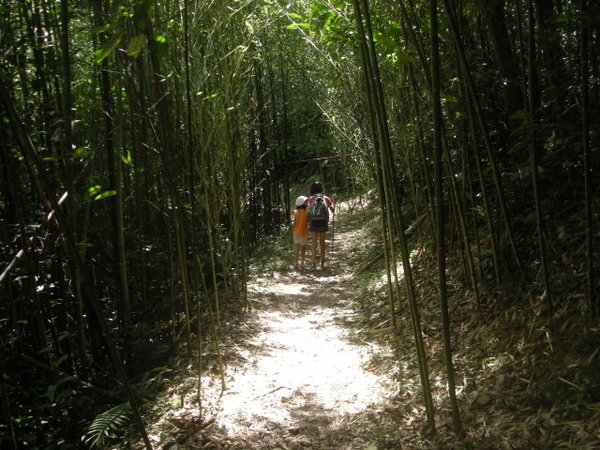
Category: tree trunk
[593,301]
[439,208]
[533,155]
[492,12]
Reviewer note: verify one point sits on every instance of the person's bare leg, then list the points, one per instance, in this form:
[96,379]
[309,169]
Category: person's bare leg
[313,254]
[322,248]
[296,253]
[302,255]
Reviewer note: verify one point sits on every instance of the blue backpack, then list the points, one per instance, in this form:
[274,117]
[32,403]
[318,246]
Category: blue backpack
[318,212]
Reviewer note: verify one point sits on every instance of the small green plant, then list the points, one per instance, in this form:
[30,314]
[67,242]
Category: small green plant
[105,424]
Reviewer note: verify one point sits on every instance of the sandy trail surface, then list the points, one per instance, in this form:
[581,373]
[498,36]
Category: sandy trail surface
[306,377]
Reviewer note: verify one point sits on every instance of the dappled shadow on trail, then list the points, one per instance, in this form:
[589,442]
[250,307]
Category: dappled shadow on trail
[303,377]
[305,382]
[298,370]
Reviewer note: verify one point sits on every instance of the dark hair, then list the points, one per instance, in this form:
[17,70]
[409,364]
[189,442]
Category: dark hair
[316,188]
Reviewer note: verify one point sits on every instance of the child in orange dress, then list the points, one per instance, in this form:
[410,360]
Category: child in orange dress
[300,232]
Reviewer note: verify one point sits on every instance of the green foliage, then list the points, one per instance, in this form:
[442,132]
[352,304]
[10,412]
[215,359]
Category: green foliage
[106,424]
[108,46]
[272,253]
[159,47]
[323,22]
[130,27]
[54,394]
[136,45]
[96,193]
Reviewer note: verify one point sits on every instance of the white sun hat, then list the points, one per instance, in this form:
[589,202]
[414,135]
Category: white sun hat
[300,200]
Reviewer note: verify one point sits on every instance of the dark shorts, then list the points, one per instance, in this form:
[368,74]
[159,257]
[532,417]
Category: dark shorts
[321,229]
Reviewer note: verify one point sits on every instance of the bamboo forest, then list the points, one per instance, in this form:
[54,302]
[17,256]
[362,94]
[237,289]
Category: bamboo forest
[156,156]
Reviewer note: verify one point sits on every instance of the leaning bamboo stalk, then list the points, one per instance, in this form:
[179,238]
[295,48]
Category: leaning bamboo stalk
[392,210]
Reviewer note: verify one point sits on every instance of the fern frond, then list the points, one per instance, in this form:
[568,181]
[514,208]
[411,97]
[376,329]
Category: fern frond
[105,423]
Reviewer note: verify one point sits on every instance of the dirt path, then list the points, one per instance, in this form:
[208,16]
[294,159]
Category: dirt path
[305,378]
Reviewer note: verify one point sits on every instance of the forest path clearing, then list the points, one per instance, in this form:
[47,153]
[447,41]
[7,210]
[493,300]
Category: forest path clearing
[306,377]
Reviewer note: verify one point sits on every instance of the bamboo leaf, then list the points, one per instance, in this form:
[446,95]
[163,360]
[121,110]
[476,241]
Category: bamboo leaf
[136,45]
[93,190]
[303,26]
[108,46]
[101,28]
[127,159]
[50,393]
[105,194]
[382,39]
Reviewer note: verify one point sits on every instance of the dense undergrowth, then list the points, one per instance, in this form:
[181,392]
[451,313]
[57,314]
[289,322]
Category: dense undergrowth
[524,379]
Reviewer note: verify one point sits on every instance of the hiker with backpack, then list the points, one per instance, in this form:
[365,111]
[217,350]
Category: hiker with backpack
[319,206]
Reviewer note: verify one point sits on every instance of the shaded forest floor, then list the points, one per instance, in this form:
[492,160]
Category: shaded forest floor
[314,364]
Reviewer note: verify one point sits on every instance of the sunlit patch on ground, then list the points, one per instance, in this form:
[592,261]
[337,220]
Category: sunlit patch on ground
[282,289]
[305,370]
